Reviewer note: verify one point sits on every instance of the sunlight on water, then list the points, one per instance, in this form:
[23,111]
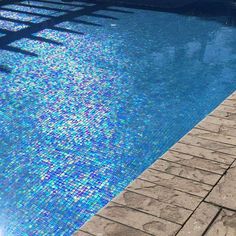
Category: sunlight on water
[91,95]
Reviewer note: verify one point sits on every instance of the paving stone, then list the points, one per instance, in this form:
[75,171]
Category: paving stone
[226,109]
[139,220]
[225,224]
[103,227]
[175,182]
[193,161]
[149,205]
[220,129]
[186,171]
[209,144]
[224,193]
[165,194]
[220,121]
[213,136]
[225,114]
[199,221]
[202,152]
[81,233]
[229,102]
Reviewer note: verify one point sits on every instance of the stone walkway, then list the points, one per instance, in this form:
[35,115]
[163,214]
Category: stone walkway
[191,190]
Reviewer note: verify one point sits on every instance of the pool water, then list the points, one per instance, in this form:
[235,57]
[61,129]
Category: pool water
[91,94]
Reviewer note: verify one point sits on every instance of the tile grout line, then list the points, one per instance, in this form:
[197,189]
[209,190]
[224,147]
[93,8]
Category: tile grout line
[197,168]
[123,224]
[85,232]
[128,190]
[202,137]
[182,177]
[203,200]
[209,149]
[216,205]
[215,132]
[135,209]
[199,157]
[212,221]
[162,185]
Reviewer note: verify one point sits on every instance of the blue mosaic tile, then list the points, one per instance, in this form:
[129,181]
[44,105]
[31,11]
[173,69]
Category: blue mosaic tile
[88,101]
[11,26]
[21,16]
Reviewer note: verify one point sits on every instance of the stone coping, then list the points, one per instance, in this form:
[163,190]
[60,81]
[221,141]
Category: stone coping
[190,190]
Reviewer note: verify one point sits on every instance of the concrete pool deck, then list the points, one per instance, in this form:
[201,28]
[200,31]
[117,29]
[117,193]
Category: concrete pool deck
[190,190]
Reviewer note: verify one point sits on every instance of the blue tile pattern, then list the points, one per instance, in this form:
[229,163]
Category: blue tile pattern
[91,96]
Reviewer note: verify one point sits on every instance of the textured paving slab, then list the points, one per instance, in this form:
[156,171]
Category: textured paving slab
[139,220]
[217,128]
[230,102]
[199,221]
[201,152]
[212,136]
[191,190]
[195,162]
[165,194]
[103,227]
[209,144]
[154,207]
[229,115]
[187,172]
[176,182]
[224,224]
[221,121]
[224,193]
[81,233]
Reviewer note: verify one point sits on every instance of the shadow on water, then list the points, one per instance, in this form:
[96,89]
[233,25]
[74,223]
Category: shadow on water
[223,12]
[51,21]
[5,69]
[67,0]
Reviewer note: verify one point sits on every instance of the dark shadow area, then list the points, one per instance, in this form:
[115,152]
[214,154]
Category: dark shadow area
[60,2]
[5,69]
[51,21]
[223,12]
[32,9]
[67,0]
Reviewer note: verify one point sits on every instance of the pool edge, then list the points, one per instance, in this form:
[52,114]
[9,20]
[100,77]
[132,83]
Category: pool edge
[178,190]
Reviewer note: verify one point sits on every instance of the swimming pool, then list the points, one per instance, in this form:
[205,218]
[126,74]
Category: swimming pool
[91,94]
